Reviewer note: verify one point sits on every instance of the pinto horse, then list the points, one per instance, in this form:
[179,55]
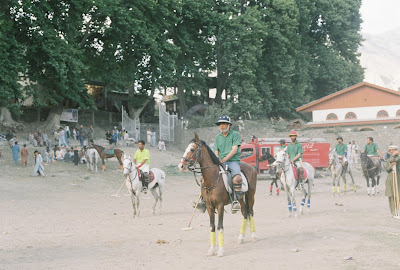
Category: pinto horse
[117,153]
[289,182]
[371,168]
[214,192]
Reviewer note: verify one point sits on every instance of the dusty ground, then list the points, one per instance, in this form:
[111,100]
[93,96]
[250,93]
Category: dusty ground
[69,220]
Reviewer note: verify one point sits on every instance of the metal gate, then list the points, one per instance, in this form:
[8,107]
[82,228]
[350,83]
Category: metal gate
[130,124]
[167,123]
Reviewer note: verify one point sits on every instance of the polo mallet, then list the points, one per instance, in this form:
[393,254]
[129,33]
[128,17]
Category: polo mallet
[188,228]
[396,194]
[116,195]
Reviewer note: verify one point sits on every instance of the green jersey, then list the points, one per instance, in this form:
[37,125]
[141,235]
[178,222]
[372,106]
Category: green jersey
[371,149]
[293,149]
[224,144]
[341,149]
[142,155]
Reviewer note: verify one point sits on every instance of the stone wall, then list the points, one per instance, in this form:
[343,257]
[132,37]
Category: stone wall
[383,135]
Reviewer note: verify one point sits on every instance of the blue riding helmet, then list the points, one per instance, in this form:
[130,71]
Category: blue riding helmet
[224,119]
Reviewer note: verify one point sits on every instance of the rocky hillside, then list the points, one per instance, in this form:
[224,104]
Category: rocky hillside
[380,55]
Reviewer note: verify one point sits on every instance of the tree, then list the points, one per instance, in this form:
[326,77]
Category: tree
[50,31]
[11,67]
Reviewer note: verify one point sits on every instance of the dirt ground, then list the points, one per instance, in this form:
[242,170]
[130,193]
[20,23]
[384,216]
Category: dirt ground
[70,220]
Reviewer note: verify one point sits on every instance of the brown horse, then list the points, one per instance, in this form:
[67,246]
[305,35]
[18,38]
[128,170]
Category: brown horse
[117,153]
[214,192]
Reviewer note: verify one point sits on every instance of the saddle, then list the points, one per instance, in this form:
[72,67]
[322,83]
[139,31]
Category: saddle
[151,176]
[227,177]
[300,173]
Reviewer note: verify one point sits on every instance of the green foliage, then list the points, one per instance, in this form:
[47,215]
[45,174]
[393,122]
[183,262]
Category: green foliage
[210,117]
[270,57]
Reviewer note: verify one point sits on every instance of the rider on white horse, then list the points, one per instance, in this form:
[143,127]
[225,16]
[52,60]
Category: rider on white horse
[341,150]
[142,162]
[295,152]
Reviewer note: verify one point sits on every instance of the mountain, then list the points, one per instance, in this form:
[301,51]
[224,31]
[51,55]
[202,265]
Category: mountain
[380,56]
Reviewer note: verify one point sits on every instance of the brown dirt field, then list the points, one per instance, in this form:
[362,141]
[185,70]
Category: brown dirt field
[69,220]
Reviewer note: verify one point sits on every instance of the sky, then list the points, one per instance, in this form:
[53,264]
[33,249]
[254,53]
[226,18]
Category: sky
[380,16]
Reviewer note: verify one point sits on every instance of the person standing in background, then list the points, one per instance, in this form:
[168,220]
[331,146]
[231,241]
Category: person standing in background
[15,151]
[24,155]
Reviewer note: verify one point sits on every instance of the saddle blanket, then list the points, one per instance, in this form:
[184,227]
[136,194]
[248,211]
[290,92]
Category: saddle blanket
[295,173]
[228,186]
[108,151]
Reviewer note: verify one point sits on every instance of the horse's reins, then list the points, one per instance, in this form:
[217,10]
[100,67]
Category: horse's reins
[196,169]
[129,174]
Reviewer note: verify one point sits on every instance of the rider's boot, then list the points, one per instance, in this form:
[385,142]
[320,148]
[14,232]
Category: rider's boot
[236,196]
[201,205]
[145,182]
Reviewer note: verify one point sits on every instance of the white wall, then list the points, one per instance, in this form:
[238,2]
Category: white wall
[363,113]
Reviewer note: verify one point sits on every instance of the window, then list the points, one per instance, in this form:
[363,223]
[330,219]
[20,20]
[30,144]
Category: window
[246,152]
[350,115]
[382,114]
[331,116]
[398,113]
[265,149]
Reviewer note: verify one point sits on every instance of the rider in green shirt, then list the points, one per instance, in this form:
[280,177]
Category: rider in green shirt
[295,149]
[371,148]
[227,149]
[341,150]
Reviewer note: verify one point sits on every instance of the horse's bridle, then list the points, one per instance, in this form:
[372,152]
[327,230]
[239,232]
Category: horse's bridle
[193,161]
[281,164]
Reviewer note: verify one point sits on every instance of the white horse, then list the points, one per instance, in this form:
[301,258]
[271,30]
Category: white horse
[134,184]
[337,172]
[289,182]
[92,156]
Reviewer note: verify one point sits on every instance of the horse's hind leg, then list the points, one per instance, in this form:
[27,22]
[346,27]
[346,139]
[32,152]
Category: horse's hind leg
[243,225]
[293,191]
[352,180]
[156,197]
[289,200]
[368,188]
[344,182]
[377,183]
[373,186]
[160,190]
[303,201]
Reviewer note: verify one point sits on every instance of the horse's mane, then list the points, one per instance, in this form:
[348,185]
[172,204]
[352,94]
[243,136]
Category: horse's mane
[214,158]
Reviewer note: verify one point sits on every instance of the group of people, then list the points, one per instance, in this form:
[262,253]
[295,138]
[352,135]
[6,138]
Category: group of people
[151,137]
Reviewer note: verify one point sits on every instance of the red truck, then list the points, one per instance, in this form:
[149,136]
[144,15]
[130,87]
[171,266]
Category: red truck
[315,152]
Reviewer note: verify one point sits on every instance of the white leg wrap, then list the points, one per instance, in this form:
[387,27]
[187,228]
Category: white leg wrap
[240,239]
[253,237]
[211,251]
[221,252]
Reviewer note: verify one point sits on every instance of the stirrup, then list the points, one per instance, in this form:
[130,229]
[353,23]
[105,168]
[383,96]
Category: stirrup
[144,189]
[235,207]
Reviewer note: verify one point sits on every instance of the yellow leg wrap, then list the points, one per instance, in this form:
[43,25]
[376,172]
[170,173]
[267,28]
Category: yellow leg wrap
[338,189]
[333,189]
[355,188]
[221,238]
[252,226]
[243,226]
[212,238]
[344,187]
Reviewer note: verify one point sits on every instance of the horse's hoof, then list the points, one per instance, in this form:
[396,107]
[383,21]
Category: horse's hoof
[241,239]
[220,252]
[211,251]
[253,237]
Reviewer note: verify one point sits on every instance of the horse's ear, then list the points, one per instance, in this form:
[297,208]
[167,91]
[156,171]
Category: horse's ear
[196,137]
[124,156]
